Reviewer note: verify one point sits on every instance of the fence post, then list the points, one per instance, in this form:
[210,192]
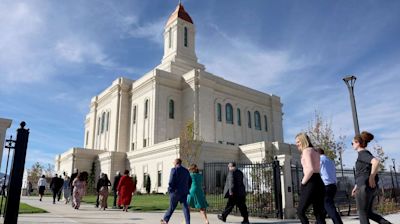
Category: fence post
[289,212]
[277,189]
[17,172]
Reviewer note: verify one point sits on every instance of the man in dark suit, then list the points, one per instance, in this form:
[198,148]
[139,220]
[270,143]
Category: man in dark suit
[115,187]
[55,187]
[235,191]
[178,188]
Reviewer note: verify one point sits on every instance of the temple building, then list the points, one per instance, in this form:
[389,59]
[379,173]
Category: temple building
[136,124]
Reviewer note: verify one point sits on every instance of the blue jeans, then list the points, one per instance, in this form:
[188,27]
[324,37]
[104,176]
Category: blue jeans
[173,202]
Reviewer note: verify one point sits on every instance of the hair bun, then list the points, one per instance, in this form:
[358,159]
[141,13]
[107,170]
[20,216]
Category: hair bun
[366,136]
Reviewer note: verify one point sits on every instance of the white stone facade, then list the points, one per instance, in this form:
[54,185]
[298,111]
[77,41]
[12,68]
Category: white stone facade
[136,124]
[4,125]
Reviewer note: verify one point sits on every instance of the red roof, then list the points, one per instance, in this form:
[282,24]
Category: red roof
[179,13]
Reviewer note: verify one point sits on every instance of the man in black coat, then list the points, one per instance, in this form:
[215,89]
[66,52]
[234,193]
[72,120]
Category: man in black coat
[235,191]
[115,186]
[55,187]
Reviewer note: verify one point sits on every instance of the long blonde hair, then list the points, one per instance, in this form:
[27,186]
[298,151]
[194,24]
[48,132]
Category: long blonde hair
[304,140]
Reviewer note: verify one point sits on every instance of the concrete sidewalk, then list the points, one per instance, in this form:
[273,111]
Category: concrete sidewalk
[61,213]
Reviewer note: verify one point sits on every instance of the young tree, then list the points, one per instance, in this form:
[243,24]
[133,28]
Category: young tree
[35,172]
[321,135]
[190,144]
[380,154]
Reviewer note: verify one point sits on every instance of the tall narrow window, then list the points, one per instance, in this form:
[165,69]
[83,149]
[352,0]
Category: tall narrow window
[257,120]
[159,178]
[266,122]
[108,121]
[134,115]
[248,119]
[103,120]
[219,113]
[144,142]
[239,120]
[87,137]
[171,109]
[146,108]
[98,126]
[170,38]
[229,113]
[186,36]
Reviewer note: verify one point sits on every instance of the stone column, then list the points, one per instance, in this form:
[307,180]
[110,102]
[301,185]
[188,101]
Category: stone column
[289,212]
[4,125]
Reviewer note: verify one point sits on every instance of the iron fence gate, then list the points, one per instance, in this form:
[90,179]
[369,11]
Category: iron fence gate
[262,182]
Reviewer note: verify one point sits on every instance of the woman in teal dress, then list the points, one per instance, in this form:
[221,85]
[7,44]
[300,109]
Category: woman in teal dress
[196,197]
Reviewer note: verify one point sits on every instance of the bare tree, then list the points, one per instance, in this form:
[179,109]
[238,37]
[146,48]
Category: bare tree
[321,135]
[380,154]
[190,144]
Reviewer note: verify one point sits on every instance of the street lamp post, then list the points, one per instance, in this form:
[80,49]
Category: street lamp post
[350,81]
[394,170]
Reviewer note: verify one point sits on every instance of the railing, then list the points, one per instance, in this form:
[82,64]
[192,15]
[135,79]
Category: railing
[262,193]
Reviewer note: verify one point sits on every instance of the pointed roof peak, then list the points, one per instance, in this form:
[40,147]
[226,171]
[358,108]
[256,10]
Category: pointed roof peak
[179,13]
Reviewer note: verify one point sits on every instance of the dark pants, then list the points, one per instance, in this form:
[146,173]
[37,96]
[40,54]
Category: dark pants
[115,199]
[312,192]
[365,199]
[55,194]
[97,200]
[330,208]
[240,202]
[173,202]
[59,194]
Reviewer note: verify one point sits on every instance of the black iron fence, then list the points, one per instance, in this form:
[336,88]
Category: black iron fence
[263,197]
[389,191]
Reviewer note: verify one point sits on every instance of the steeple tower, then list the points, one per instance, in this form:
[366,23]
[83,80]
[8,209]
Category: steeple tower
[179,43]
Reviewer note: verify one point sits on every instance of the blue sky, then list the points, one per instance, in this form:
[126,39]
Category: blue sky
[55,56]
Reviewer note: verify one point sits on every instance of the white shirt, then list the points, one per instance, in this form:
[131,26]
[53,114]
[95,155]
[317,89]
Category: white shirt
[42,182]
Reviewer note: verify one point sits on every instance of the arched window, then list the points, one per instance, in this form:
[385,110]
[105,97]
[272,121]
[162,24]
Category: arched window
[219,115]
[146,108]
[171,109]
[239,121]
[134,114]
[186,36]
[170,38]
[248,119]
[266,122]
[257,120]
[108,121]
[229,113]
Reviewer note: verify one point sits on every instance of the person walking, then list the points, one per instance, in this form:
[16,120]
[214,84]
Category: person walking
[55,187]
[125,188]
[312,187]
[41,186]
[98,186]
[235,191]
[73,176]
[178,189]
[59,183]
[328,175]
[366,179]
[196,198]
[114,188]
[29,189]
[79,185]
[66,189]
[103,191]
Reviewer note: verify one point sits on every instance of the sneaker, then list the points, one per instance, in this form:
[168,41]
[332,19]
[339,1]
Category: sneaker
[245,222]
[163,221]
[222,218]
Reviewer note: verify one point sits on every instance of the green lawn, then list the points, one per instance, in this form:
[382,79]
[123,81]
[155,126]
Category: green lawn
[153,202]
[24,208]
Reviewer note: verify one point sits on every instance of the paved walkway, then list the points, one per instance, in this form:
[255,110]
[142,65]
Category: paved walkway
[61,213]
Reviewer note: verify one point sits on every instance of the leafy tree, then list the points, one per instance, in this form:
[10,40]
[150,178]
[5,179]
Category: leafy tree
[380,154]
[321,135]
[35,172]
[190,144]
